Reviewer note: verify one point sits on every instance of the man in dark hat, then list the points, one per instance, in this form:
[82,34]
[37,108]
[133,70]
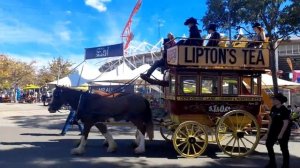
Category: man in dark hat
[259,37]
[279,130]
[214,36]
[194,37]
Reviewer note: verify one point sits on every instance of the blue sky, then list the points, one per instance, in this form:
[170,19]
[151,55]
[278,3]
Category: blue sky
[43,29]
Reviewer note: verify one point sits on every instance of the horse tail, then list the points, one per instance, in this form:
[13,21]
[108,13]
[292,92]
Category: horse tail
[148,121]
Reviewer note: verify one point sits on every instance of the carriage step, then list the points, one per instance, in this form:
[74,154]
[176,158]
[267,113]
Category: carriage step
[265,122]
[264,129]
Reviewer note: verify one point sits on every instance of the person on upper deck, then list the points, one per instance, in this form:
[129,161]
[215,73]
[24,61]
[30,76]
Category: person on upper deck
[259,37]
[214,36]
[194,37]
[168,43]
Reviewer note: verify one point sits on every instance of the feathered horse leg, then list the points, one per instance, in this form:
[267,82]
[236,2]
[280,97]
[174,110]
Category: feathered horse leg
[81,148]
[112,146]
[141,145]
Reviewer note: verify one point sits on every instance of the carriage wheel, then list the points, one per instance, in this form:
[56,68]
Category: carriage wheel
[237,133]
[190,139]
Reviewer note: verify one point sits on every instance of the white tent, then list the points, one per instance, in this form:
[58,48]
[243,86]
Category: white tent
[124,74]
[267,82]
[82,74]
[121,73]
[143,69]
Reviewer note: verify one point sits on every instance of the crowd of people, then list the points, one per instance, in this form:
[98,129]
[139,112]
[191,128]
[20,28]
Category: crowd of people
[23,96]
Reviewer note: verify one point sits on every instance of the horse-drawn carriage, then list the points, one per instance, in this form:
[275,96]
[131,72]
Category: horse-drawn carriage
[214,95]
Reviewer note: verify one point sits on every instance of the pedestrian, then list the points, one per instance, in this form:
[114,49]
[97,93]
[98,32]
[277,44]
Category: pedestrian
[71,120]
[214,36]
[279,130]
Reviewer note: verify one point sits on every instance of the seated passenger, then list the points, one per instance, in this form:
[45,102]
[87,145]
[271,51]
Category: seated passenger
[214,36]
[194,37]
[168,43]
[259,37]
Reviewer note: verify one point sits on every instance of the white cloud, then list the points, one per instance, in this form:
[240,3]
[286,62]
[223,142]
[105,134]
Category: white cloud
[68,12]
[11,33]
[112,33]
[41,59]
[97,4]
[62,31]
[65,35]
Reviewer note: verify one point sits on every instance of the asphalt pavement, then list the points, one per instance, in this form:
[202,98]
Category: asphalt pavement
[29,138]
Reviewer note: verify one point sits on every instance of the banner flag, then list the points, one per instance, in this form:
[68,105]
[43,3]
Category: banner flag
[115,50]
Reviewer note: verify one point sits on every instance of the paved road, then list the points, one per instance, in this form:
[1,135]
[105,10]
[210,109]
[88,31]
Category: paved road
[29,138]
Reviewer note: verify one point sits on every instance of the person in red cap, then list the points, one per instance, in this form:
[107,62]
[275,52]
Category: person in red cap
[279,130]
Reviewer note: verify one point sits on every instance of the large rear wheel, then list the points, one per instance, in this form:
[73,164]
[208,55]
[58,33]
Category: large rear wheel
[237,133]
[190,139]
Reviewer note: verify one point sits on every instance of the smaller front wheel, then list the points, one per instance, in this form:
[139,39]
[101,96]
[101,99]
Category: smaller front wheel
[190,139]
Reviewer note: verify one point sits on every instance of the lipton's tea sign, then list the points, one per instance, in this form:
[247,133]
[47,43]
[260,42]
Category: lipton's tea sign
[215,56]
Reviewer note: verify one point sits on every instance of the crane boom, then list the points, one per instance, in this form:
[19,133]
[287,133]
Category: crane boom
[127,35]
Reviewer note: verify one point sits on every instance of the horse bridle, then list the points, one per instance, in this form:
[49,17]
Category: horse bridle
[56,94]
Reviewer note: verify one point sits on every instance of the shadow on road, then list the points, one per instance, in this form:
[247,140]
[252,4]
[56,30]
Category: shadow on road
[56,153]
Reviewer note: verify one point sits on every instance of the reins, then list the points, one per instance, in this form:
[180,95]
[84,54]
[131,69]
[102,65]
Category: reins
[79,101]
[126,84]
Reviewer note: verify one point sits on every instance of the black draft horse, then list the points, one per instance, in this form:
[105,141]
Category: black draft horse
[95,108]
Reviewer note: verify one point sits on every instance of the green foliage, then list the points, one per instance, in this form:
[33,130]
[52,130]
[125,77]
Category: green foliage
[17,72]
[280,18]
[58,67]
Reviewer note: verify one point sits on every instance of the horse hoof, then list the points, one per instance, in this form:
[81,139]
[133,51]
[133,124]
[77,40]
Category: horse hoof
[77,151]
[139,151]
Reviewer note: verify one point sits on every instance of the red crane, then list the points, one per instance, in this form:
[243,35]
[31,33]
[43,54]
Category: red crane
[127,35]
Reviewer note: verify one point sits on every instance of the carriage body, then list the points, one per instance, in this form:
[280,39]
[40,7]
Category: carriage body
[207,84]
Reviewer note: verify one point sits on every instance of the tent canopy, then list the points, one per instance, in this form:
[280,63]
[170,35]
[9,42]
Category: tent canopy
[82,74]
[267,82]
[123,74]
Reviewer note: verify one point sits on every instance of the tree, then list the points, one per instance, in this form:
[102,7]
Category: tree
[15,72]
[281,19]
[57,68]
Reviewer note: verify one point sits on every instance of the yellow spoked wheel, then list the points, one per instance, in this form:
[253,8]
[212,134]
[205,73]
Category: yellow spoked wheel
[190,139]
[237,133]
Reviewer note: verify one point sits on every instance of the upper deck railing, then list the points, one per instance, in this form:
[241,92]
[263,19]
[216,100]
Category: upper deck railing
[219,57]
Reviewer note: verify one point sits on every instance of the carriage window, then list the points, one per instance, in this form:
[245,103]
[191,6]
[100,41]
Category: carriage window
[172,84]
[209,85]
[256,87]
[230,85]
[188,84]
[246,87]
